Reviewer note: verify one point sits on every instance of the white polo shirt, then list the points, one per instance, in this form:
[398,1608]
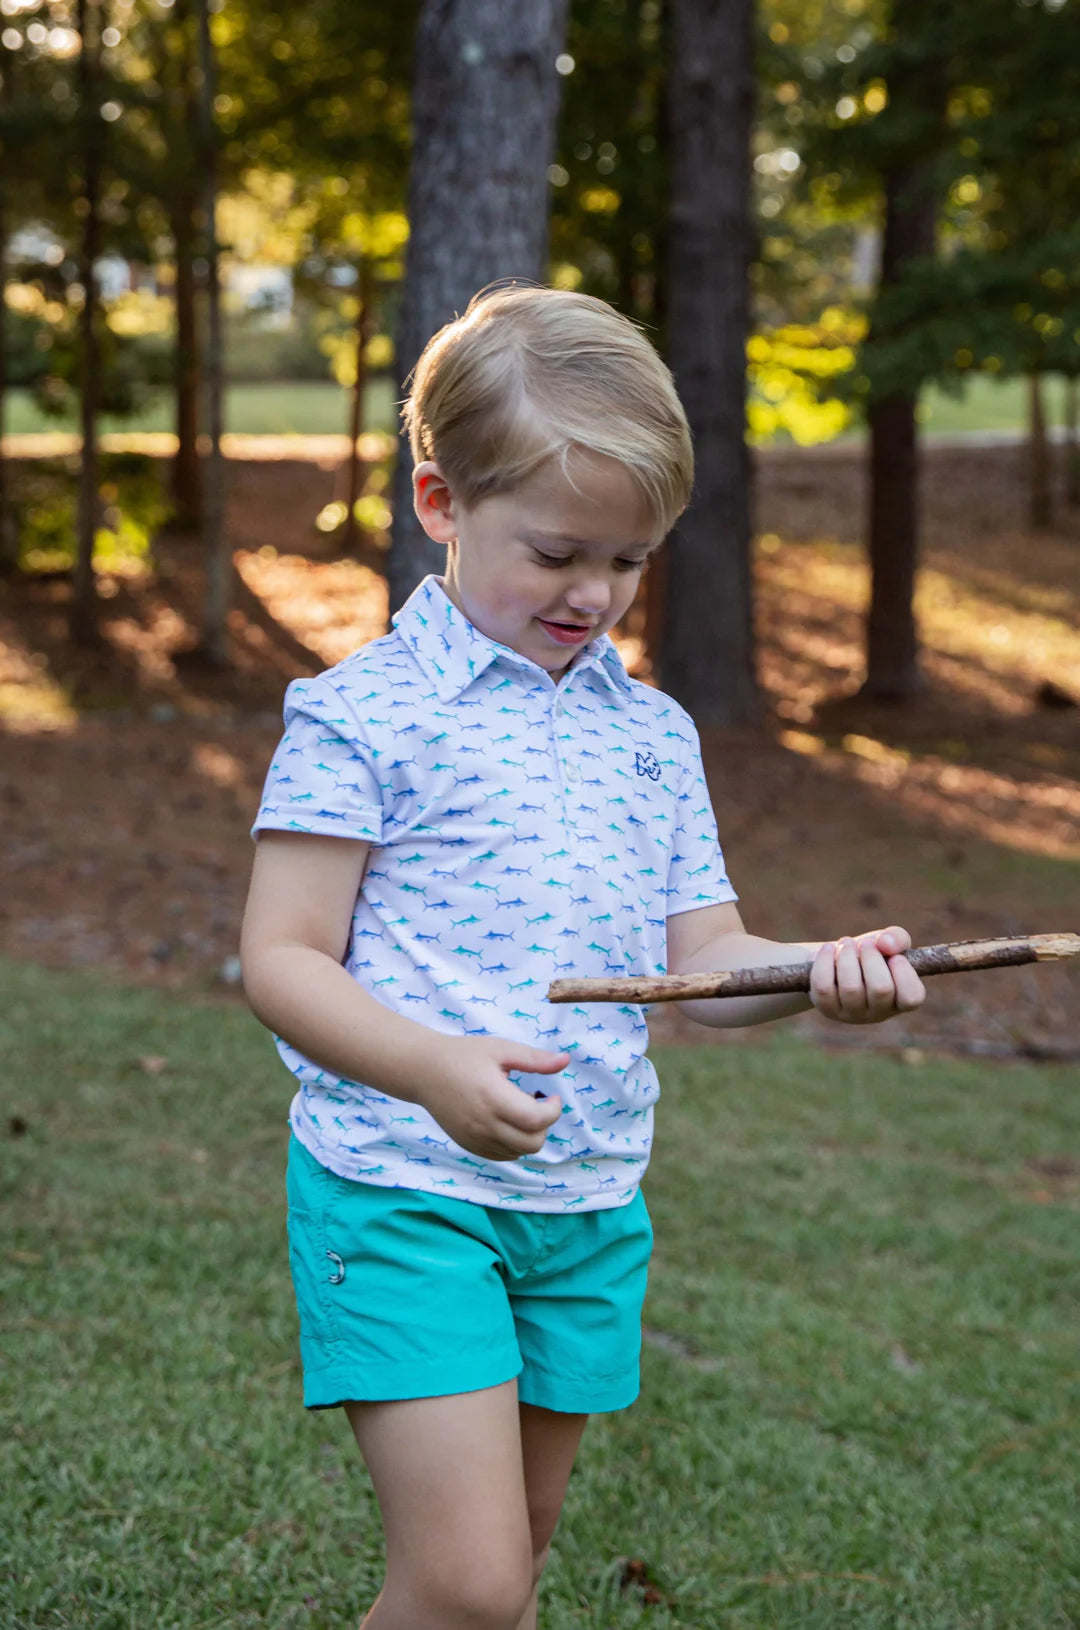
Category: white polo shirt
[521,829]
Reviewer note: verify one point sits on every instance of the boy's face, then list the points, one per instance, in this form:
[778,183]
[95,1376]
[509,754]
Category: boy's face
[548,567]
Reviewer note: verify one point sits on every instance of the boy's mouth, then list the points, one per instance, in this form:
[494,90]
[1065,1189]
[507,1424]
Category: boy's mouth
[566,633]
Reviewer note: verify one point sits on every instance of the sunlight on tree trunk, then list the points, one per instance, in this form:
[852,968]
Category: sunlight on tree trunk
[485,100]
[83,620]
[707,654]
[215,544]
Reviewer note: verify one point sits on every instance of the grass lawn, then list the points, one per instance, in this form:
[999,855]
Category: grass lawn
[860,1392]
[311,408]
[293,407]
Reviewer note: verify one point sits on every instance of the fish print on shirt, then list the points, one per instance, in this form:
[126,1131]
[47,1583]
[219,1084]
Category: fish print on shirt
[514,837]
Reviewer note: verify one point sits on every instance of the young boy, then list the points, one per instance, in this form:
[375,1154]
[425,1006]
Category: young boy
[458,813]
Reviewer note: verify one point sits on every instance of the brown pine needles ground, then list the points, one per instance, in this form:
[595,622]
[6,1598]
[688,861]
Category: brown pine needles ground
[129,775]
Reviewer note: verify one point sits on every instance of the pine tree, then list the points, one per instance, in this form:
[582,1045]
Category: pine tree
[707,649]
[485,99]
[84,605]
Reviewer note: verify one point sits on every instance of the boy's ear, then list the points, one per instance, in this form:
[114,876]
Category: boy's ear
[434,503]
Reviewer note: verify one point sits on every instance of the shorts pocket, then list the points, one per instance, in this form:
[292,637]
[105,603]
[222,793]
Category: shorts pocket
[316,1269]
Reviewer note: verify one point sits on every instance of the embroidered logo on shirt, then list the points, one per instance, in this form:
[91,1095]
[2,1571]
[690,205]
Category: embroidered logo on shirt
[647,764]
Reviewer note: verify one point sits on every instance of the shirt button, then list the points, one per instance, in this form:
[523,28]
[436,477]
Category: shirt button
[573,773]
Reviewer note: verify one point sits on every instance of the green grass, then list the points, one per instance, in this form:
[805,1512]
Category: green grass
[293,407]
[988,404]
[864,1414]
[309,408]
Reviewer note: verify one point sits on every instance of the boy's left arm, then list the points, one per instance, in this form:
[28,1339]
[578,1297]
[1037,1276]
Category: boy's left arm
[859,979]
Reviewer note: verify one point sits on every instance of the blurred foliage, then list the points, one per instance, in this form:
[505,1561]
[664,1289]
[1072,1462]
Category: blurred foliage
[134,507]
[312,113]
[608,203]
[41,322]
[981,101]
[792,373]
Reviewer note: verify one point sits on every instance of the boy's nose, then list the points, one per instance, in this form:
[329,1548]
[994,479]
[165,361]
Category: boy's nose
[591,597]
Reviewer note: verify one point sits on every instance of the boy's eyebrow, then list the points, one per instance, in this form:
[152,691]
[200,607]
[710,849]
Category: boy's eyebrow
[579,543]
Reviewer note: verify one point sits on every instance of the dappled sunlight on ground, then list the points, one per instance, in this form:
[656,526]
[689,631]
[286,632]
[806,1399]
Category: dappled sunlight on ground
[989,634]
[332,607]
[31,700]
[976,753]
[1041,815]
[150,640]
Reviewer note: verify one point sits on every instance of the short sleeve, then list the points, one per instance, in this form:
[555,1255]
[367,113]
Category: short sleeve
[322,778]
[697,876]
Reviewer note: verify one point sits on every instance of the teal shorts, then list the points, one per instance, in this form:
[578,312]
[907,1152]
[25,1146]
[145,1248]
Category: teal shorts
[403,1294]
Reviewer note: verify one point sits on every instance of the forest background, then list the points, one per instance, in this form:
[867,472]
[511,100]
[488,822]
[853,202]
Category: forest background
[844,224]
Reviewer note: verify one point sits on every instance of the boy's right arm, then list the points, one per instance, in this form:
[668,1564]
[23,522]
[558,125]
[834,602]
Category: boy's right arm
[294,936]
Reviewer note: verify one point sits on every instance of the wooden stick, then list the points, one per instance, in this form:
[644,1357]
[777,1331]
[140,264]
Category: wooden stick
[927,959]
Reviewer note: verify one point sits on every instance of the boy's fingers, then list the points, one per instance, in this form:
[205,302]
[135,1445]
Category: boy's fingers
[530,1114]
[533,1060]
[849,976]
[823,979]
[910,990]
[877,977]
[520,1138]
[892,940]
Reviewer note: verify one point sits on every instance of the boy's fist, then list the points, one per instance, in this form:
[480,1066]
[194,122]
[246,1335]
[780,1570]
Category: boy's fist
[866,979]
[472,1097]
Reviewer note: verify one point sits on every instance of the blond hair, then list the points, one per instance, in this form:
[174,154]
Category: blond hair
[530,374]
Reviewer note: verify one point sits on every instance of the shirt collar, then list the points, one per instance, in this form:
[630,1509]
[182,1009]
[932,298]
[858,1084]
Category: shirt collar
[452,652]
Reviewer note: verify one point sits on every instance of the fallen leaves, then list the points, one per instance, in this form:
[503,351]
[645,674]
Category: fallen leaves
[635,1576]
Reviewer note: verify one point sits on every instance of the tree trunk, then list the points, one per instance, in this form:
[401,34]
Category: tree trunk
[1040,496]
[214,644]
[485,100]
[707,660]
[892,650]
[84,605]
[1072,449]
[186,475]
[9,543]
[177,43]
[364,330]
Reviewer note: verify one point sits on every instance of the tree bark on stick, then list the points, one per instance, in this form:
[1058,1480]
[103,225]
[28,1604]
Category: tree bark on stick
[707,654]
[485,100]
[214,645]
[892,646]
[84,604]
[959,957]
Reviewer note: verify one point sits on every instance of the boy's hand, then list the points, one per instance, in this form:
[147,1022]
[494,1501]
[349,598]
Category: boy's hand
[866,979]
[472,1098]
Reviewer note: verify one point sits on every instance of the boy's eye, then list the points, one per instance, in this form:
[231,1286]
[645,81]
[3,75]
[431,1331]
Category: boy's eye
[550,560]
[630,565]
